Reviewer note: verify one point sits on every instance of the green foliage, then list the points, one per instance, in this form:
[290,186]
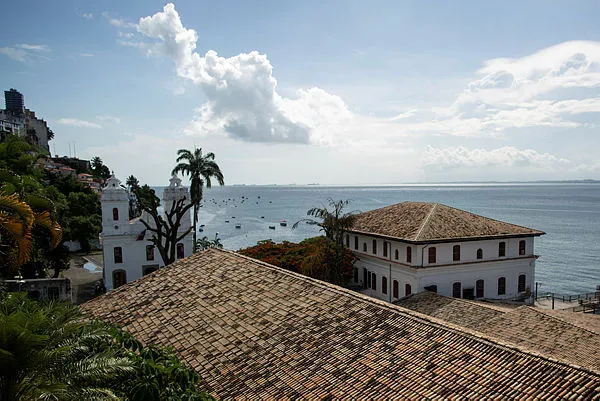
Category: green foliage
[48,351]
[204,243]
[99,170]
[310,257]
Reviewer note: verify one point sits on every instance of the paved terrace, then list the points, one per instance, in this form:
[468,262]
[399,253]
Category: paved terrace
[253,330]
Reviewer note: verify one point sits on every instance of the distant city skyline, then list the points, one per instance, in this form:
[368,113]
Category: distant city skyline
[342,92]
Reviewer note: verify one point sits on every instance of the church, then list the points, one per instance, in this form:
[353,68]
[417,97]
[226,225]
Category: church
[128,252]
[412,247]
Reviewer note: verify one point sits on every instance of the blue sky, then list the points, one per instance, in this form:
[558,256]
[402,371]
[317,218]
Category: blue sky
[338,92]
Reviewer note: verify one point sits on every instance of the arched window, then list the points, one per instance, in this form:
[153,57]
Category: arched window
[150,269]
[374,247]
[348,240]
[502,286]
[118,254]
[396,254]
[456,290]
[502,249]
[374,281]
[355,275]
[119,278]
[395,288]
[432,254]
[180,251]
[364,247]
[384,284]
[522,247]
[479,289]
[407,290]
[408,254]
[356,242]
[149,252]
[456,253]
[385,249]
[480,253]
[115,213]
[522,281]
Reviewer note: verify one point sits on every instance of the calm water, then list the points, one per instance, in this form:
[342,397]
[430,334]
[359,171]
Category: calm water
[569,214]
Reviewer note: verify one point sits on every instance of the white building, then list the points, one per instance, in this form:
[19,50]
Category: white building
[414,246]
[128,252]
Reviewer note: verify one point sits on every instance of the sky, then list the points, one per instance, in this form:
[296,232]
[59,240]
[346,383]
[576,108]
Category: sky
[301,92]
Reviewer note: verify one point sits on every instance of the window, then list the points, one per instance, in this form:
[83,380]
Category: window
[374,281]
[149,252]
[456,253]
[408,254]
[395,289]
[456,290]
[369,278]
[385,249]
[522,280]
[479,289]
[347,241]
[384,284]
[356,242]
[396,254]
[53,293]
[355,275]
[118,254]
[431,288]
[115,213]
[502,249]
[432,255]
[480,253]
[502,286]
[365,279]
[180,251]
[119,278]
[522,247]
[374,247]
[407,290]
[364,247]
[149,269]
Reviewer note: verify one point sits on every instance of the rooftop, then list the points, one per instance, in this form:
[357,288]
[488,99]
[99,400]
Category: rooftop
[253,330]
[420,222]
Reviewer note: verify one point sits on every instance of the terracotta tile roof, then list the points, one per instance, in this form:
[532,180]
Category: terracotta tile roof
[253,330]
[565,336]
[425,222]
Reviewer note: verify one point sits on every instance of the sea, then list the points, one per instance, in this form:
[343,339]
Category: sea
[569,213]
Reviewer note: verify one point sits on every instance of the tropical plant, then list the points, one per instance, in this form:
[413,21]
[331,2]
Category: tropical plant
[132,182]
[334,222]
[201,169]
[205,243]
[48,351]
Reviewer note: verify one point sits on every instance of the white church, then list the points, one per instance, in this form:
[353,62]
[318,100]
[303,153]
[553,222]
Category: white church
[412,247]
[128,252]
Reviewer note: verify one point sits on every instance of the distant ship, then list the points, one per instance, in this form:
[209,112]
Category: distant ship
[283,223]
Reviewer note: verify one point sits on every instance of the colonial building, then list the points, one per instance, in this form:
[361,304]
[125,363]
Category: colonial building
[414,246]
[128,252]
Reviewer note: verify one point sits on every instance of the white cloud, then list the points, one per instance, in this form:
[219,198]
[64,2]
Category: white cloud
[112,119]
[243,101]
[25,52]
[87,16]
[118,22]
[74,122]
[507,156]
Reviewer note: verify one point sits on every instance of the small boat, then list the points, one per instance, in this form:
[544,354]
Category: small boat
[262,217]
[311,222]
[238,226]
[226,221]
[283,223]
[200,230]
[201,225]
[272,227]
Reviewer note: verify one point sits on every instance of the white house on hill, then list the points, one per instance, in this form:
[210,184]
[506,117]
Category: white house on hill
[128,252]
[411,247]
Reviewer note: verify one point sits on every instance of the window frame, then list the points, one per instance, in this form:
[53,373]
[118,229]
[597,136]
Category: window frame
[479,255]
[114,275]
[480,284]
[432,255]
[117,254]
[501,286]
[522,288]
[408,254]
[384,289]
[356,242]
[395,291]
[149,252]
[522,247]
[456,253]
[385,249]
[180,250]
[502,249]
[457,289]
[115,213]
[374,247]
[374,281]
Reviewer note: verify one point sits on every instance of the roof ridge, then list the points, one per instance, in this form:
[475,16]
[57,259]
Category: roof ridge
[426,221]
[417,316]
[541,311]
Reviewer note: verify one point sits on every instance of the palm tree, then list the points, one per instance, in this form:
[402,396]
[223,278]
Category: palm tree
[132,182]
[200,169]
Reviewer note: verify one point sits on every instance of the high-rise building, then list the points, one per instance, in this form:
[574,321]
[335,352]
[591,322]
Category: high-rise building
[14,101]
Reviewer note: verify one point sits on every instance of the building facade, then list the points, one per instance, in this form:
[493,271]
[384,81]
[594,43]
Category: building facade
[15,118]
[128,252]
[413,247]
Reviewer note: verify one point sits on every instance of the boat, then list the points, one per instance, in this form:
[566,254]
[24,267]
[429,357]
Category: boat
[283,223]
[200,230]
[311,222]
[262,217]
[226,221]
[238,226]
[272,227]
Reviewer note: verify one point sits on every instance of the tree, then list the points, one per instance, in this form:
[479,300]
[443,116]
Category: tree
[204,243]
[200,170]
[334,223]
[99,169]
[165,230]
[132,182]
